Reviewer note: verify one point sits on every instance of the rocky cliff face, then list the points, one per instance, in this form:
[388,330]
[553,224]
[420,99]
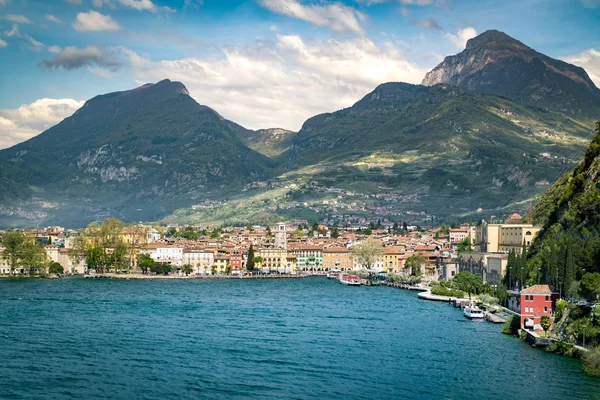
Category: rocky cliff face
[495,63]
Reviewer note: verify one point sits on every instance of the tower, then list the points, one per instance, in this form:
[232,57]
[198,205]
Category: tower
[280,236]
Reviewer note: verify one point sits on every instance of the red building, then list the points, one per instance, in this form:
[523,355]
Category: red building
[236,260]
[536,301]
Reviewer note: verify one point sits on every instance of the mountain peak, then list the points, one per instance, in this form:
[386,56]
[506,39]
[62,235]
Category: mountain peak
[495,63]
[494,39]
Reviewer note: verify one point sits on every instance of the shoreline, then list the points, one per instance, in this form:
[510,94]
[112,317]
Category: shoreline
[192,277]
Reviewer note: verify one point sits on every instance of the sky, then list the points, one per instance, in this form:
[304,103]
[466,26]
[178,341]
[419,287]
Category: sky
[260,63]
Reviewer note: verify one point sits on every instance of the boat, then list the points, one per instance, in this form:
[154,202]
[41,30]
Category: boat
[334,274]
[350,280]
[473,312]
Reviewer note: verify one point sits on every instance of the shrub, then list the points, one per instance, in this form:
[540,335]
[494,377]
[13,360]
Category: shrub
[442,291]
[561,305]
[487,299]
[561,347]
[591,362]
[512,325]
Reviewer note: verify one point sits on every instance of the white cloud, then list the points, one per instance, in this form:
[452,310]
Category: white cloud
[3,43]
[588,60]
[336,16]
[145,5]
[52,18]
[17,125]
[94,21]
[423,2]
[34,44]
[20,19]
[54,49]
[282,83]
[14,32]
[461,37]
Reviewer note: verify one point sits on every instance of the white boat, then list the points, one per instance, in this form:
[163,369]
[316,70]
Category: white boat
[350,280]
[334,274]
[473,312]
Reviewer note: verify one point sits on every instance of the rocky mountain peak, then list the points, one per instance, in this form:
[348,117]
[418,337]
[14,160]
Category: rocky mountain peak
[495,63]
[494,39]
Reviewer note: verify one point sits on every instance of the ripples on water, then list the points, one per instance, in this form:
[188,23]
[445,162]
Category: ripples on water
[263,339]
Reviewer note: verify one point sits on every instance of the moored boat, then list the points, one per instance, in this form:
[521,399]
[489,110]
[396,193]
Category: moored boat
[350,280]
[333,274]
[473,312]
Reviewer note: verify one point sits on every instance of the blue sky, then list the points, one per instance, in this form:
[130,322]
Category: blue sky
[261,63]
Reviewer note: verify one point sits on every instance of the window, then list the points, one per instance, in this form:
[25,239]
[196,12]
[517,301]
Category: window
[545,309]
[546,298]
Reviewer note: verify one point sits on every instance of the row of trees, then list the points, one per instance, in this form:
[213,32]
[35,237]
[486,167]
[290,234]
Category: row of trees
[111,245]
[27,254]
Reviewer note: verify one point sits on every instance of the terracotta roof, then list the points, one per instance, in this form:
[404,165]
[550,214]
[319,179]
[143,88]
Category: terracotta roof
[538,289]
[336,250]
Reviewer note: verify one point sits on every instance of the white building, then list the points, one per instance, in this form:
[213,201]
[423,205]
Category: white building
[201,259]
[166,254]
[281,236]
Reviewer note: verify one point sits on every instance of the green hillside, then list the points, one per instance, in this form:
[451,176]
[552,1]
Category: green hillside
[137,155]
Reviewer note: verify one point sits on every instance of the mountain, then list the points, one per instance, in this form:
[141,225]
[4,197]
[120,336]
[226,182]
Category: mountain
[489,130]
[495,63]
[137,155]
[270,142]
[569,213]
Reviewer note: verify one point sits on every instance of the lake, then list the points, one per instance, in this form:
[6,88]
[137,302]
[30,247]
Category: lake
[306,338]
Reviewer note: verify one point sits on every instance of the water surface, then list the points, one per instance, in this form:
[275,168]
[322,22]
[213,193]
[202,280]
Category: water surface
[263,339]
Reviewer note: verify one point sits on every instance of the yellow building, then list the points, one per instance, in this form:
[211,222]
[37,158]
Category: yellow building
[493,238]
[274,259]
[337,258]
[392,259]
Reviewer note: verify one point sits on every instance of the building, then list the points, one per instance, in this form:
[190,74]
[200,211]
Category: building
[166,254]
[490,266]
[274,259]
[339,258]
[201,259]
[308,258]
[493,238]
[536,301]
[458,234]
[392,259]
[281,236]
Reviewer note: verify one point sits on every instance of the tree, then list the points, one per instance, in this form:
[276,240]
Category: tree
[414,263]
[32,256]
[161,268]
[94,259]
[145,262]
[227,268]
[546,322]
[56,268]
[335,232]
[12,242]
[468,282]
[464,245]
[590,286]
[269,233]
[258,261]
[213,270]
[404,227]
[187,269]
[250,263]
[367,252]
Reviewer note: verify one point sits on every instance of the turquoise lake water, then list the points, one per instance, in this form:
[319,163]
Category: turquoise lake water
[262,339]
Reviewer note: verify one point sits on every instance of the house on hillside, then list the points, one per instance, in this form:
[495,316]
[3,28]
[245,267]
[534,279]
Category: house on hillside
[536,301]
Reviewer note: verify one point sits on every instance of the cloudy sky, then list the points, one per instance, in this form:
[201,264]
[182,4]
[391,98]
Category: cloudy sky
[261,63]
